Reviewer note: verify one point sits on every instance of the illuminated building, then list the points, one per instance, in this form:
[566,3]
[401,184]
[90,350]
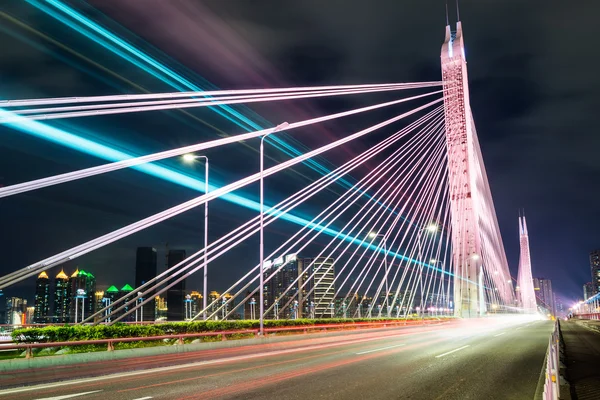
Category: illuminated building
[16,309]
[85,282]
[145,270]
[213,297]
[160,308]
[29,316]
[61,298]
[41,310]
[196,299]
[322,283]
[175,294]
[595,269]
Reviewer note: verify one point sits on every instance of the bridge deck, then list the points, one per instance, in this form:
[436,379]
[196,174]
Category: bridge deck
[451,362]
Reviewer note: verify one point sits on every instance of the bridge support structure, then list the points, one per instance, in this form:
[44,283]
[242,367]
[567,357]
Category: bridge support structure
[466,243]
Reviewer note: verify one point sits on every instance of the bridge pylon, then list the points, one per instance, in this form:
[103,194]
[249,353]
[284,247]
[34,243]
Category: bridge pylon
[466,243]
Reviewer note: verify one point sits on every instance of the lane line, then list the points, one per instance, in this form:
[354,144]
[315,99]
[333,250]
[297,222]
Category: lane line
[201,363]
[144,398]
[453,351]
[500,334]
[383,348]
[68,396]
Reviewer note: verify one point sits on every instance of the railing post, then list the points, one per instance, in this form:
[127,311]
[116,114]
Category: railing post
[180,340]
[110,347]
[28,352]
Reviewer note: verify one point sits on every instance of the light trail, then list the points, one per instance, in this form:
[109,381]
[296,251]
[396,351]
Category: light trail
[453,351]
[381,349]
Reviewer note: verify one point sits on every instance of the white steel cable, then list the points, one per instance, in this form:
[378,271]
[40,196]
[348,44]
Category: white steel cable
[101,169]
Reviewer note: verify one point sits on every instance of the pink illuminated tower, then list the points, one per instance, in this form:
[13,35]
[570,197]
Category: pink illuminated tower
[466,244]
[525,278]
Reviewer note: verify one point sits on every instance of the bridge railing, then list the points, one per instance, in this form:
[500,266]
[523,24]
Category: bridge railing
[109,343]
[594,316]
[552,382]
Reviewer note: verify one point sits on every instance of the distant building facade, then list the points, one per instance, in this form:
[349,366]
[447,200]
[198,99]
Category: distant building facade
[544,294]
[588,290]
[302,287]
[146,270]
[176,294]
[16,310]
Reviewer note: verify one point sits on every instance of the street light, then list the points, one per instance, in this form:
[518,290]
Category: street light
[190,158]
[373,235]
[262,205]
[141,300]
[430,228]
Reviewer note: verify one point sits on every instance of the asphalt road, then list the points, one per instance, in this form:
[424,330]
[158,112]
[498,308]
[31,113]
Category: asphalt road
[472,360]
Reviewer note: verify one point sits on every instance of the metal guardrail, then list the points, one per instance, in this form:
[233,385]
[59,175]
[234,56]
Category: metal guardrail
[552,382]
[28,347]
[593,316]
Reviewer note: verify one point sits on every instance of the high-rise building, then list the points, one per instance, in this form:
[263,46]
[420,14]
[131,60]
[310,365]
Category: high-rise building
[176,294]
[145,270]
[588,290]
[42,299]
[82,287]
[595,269]
[61,298]
[311,284]
[99,303]
[322,284]
[16,310]
[544,294]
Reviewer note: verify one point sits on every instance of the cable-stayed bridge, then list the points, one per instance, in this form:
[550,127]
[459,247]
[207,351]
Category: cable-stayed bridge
[412,231]
[417,232]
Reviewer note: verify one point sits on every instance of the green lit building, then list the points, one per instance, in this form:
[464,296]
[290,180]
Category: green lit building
[81,289]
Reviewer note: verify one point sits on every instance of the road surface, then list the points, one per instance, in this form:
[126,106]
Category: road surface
[471,360]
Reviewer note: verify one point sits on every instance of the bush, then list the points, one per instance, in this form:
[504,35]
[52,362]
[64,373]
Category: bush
[69,333]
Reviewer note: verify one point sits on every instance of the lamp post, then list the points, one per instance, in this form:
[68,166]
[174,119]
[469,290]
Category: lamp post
[387,288]
[80,294]
[189,158]
[252,304]
[435,262]
[261,244]
[431,228]
[141,300]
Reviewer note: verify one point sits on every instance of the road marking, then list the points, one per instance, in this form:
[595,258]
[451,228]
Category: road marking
[199,364]
[453,351]
[144,398]
[500,334]
[383,348]
[68,396]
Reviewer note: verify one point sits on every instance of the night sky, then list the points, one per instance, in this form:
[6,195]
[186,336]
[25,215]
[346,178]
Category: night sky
[533,71]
